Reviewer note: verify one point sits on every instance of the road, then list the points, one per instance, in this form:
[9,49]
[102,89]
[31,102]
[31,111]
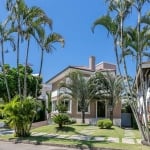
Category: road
[21,146]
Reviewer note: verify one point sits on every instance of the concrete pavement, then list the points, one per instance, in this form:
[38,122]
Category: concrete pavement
[21,146]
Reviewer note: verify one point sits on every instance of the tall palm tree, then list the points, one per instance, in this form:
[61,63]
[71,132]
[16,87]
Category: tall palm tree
[131,47]
[5,37]
[47,43]
[112,27]
[139,5]
[35,18]
[17,9]
[121,9]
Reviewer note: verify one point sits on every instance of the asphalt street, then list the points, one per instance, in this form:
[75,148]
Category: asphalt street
[21,146]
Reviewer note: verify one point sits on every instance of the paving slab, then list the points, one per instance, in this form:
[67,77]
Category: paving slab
[51,135]
[128,141]
[112,139]
[80,137]
[138,141]
[98,139]
[39,134]
[62,136]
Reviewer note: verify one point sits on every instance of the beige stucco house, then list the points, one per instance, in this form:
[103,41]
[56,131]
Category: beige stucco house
[97,109]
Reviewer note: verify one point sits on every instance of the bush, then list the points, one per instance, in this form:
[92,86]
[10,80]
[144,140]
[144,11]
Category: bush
[61,119]
[100,123]
[104,123]
[107,123]
[19,115]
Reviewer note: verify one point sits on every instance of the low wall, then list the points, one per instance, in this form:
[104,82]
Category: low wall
[39,124]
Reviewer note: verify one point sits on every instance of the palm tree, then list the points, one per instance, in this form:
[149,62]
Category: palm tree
[47,45]
[112,27]
[121,8]
[115,89]
[78,89]
[34,19]
[139,4]
[131,47]
[5,37]
[17,9]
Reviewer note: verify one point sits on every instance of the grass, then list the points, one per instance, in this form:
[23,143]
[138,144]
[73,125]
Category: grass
[76,129]
[2,120]
[79,144]
[69,129]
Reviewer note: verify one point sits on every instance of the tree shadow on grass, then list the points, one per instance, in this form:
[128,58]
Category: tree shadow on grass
[77,143]
[65,129]
[38,140]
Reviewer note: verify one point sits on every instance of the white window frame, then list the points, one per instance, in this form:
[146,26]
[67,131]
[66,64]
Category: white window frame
[70,106]
[54,111]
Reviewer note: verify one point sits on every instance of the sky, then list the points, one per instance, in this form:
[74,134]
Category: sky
[73,20]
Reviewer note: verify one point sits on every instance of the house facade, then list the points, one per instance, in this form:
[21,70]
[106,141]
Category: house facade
[97,108]
[146,90]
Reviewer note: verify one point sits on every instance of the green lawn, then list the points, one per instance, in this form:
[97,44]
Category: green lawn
[2,120]
[68,129]
[77,129]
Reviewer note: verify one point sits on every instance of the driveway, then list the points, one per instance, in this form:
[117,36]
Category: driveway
[21,146]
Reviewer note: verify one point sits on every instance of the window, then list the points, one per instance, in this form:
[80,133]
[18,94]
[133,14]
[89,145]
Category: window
[67,104]
[54,103]
[86,109]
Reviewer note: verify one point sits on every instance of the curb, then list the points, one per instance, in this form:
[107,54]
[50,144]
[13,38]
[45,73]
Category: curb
[17,141]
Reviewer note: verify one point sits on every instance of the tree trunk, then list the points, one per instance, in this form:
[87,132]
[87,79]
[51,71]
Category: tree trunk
[18,70]
[4,73]
[40,71]
[83,116]
[25,71]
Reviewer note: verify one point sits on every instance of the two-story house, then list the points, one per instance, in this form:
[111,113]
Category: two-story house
[98,108]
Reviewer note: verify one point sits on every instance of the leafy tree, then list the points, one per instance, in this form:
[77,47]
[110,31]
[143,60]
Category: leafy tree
[108,87]
[12,76]
[5,37]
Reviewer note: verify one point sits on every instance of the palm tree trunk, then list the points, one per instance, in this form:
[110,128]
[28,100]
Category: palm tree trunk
[3,70]
[126,75]
[40,71]
[18,70]
[142,78]
[25,71]
[83,116]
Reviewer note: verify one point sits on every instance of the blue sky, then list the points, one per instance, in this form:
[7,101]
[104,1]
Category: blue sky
[73,20]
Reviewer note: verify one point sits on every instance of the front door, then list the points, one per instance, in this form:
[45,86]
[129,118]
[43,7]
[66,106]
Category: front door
[100,109]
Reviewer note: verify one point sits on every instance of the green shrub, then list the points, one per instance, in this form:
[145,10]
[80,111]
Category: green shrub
[107,123]
[61,119]
[19,115]
[104,123]
[100,123]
